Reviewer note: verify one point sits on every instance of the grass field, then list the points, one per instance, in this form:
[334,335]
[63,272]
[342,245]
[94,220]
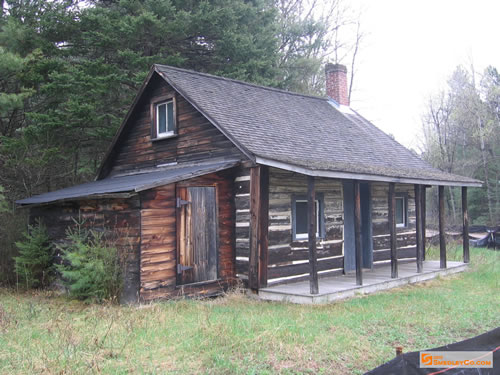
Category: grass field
[45,334]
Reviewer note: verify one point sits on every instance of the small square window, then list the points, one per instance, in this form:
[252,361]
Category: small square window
[401,211]
[299,219]
[164,119]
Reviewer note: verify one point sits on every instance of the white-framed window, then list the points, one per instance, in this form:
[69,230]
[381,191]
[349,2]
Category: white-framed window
[165,118]
[299,217]
[401,211]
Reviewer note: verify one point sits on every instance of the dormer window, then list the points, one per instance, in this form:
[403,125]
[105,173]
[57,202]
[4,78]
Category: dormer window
[163,124]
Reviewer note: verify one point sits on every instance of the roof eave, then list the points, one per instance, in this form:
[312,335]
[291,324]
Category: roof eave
[360,176]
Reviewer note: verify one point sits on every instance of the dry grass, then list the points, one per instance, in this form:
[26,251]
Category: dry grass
[44,334]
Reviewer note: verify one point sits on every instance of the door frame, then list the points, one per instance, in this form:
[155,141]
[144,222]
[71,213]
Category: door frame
[366,225]
[188,184]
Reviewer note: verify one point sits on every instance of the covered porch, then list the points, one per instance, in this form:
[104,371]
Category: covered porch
[335,277]
[344,286]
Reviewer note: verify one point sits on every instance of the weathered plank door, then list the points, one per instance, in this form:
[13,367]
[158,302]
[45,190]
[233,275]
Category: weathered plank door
[196,234]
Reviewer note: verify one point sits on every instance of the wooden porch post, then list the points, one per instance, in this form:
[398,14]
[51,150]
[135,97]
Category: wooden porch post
[259,219]
[442,233]
[424,219]
[311,225]
[392,230]
[418,214]
[465,233]
[357,233]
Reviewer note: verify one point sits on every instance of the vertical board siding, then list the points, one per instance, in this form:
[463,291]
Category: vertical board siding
[288,257]
[406,237]
[119,220]
[159,246]
[197,139]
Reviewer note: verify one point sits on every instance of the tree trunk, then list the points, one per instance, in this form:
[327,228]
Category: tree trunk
[485,167]
[452,205]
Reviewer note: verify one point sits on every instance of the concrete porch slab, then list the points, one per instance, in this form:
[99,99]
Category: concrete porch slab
[344,286]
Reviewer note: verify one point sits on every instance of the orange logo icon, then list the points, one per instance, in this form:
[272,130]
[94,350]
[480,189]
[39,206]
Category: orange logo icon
[426,359]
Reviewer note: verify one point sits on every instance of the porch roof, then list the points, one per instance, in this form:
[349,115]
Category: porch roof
[311,133]
[130,183]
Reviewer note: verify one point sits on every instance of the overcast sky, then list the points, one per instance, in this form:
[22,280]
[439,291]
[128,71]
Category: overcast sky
[411,49]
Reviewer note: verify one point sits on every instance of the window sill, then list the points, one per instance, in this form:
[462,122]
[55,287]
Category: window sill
[305,239]
[162,137]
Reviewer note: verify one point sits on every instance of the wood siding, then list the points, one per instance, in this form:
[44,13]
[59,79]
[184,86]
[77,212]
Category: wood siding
[159,239]
[406,237]
[118,218]
[289,258]
[197,139]
[242,211]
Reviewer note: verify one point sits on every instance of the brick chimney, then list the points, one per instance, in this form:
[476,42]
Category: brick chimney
[336,83]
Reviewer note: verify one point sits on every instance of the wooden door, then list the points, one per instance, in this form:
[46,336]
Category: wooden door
[366,226]
[196,234]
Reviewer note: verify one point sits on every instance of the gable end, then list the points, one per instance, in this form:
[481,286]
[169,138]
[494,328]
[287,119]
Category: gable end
[137,146]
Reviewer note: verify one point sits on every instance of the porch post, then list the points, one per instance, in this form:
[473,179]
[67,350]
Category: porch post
[392,230]
[465,233]
[418,214]
[442,233]
[357,233]
[259,214]
[424,213]
[311,225]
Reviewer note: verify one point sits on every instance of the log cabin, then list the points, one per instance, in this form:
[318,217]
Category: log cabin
[212,182]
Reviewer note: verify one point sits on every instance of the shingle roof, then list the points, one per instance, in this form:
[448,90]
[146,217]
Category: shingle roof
[305,131]
[134,183]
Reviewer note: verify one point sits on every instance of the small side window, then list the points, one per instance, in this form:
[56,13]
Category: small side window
[401,211]
[163,124]
[299,217]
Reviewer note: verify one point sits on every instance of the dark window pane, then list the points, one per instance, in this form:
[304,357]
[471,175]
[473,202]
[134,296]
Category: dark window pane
[300,217]
[170,114]
[162,118]
[400,211]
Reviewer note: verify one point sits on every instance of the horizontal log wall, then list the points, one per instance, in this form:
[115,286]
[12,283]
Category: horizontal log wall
[406,237]
[159,240]
[119,219]
[289,258]
[197,138]
[242,206]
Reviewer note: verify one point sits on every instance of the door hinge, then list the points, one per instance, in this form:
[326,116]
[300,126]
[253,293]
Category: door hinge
[181,202]
[181,268]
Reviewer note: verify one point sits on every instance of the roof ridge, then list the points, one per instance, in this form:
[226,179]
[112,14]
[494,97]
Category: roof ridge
[242,82]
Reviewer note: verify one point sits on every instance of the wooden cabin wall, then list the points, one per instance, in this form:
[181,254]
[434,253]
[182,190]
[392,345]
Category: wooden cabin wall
[289,258]
[159,239]
[197,139]
[118,218]
[406,237]
[242,206]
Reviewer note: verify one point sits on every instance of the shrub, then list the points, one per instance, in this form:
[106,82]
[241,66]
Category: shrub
[91,267]
[34,265]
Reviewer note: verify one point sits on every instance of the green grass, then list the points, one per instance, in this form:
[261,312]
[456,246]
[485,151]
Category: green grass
[42,333]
